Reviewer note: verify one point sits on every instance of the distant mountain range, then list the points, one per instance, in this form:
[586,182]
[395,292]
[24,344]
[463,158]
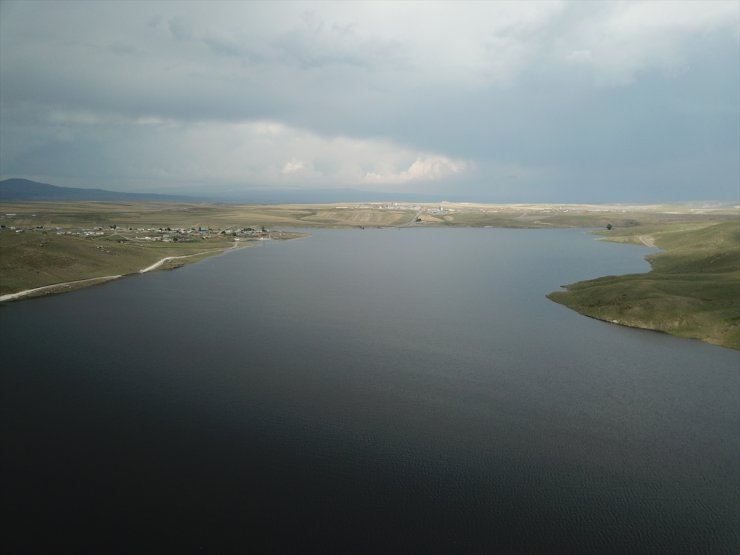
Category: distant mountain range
[25,189]
[17,190]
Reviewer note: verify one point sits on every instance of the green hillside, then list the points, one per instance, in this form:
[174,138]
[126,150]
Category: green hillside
[692,291]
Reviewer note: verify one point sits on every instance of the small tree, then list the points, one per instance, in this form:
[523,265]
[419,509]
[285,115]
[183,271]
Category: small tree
[609,227]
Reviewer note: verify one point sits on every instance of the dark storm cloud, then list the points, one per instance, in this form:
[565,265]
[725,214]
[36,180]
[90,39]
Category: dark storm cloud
[530,101]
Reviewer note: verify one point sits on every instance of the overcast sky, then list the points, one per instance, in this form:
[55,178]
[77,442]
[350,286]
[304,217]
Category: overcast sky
[495,101]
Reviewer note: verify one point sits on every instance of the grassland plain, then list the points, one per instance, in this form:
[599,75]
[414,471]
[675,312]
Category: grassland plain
[693,289]
[31,260]
[48,243]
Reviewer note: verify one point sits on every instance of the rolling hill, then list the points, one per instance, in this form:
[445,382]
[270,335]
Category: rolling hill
[24,190]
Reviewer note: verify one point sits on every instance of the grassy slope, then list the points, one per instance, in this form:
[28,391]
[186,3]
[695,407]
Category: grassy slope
[692,291]
[32,259]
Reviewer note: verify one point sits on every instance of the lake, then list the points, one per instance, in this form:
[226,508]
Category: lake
[376,391]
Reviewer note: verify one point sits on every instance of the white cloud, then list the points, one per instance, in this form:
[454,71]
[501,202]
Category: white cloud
[621,40]
[272,153]
[293,166]
[424,168]
[249,153]
[86,117]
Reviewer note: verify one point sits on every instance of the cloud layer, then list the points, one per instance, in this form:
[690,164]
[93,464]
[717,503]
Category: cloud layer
[504,101]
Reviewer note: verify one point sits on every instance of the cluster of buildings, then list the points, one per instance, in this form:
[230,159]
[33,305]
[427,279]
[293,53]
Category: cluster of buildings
[164,234]
[170,235]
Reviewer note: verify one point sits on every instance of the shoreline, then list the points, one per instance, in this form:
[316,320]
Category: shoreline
[49,289]
[159,263]
[66,286]
[689,292]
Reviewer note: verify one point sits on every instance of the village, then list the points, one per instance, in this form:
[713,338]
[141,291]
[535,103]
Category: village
[145,234]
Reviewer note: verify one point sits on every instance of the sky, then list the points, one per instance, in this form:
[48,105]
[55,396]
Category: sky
[487,102]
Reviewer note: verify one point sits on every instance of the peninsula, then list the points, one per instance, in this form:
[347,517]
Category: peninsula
[693,289]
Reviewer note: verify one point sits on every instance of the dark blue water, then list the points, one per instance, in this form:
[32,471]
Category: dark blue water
[390,391]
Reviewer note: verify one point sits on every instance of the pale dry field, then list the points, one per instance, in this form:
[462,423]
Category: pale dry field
[70,215]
